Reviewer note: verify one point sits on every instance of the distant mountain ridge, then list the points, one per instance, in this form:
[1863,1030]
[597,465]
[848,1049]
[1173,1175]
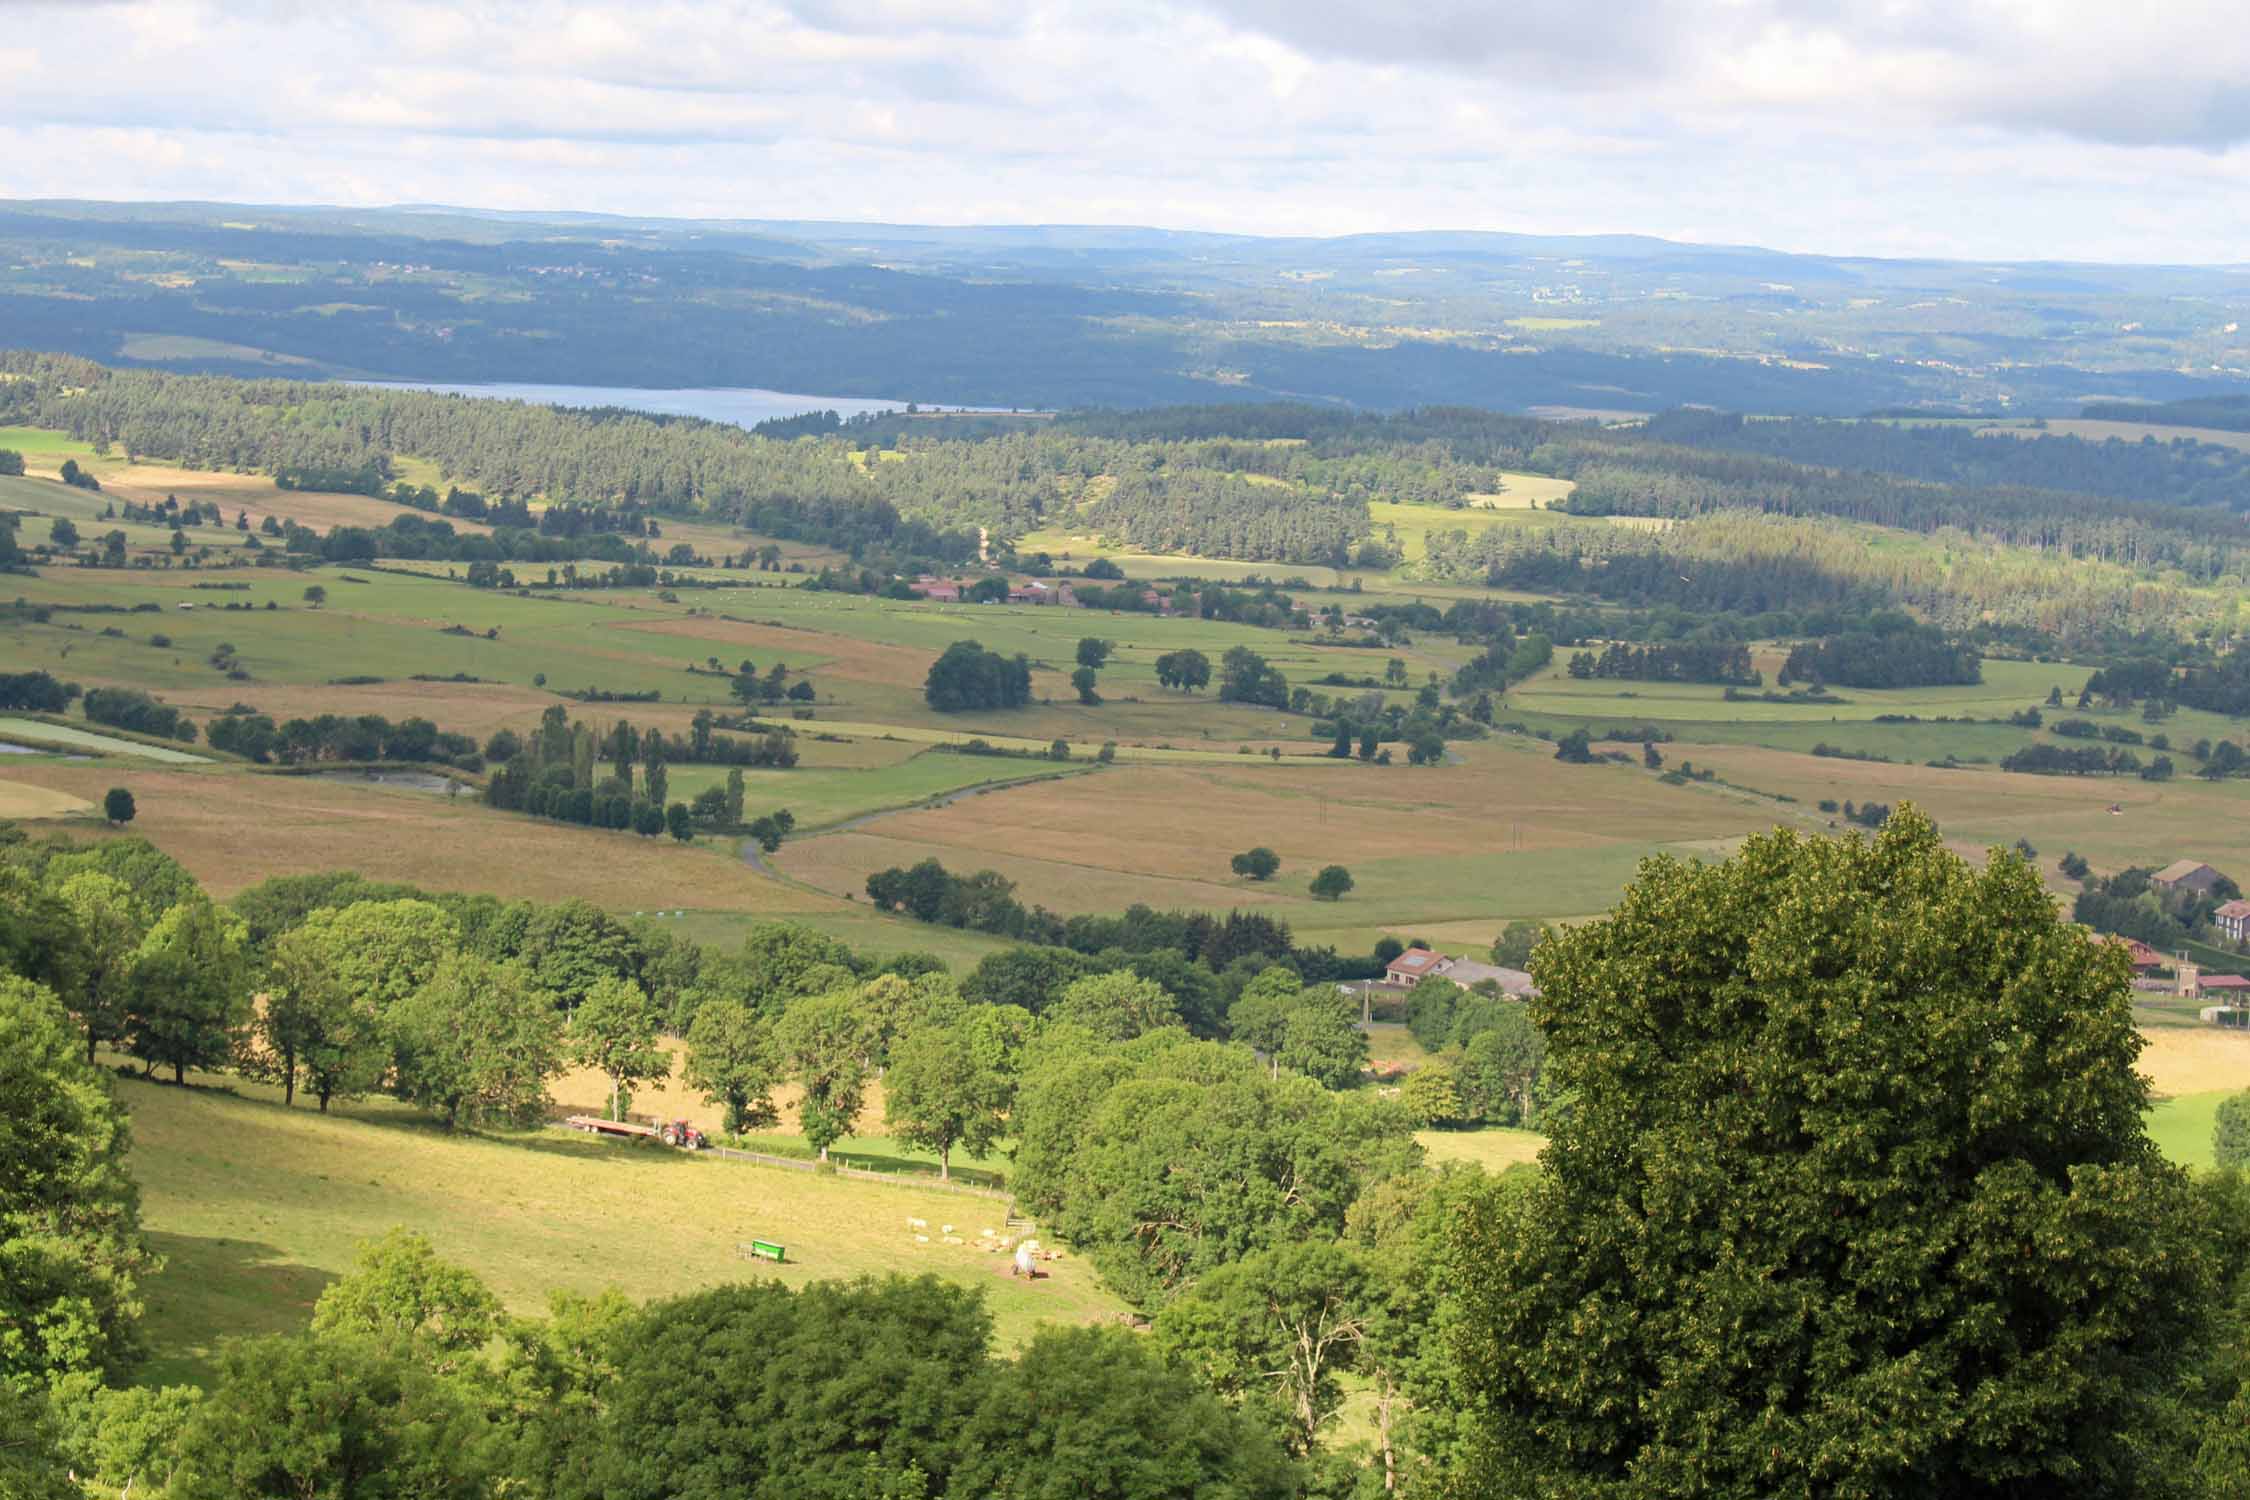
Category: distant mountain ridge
[1046,315]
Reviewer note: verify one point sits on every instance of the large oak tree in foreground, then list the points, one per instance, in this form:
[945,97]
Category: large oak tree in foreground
[1851,1196]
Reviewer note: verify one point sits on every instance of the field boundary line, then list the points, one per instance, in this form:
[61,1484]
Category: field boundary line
[755,857]
[853,821]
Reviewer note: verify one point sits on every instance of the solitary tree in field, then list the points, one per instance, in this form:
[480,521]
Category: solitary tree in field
[316,595]
[1853,1195]
[1093,652]
[117,806]
[614,1031]
[1332,883]
[1083,681]
[1256,864]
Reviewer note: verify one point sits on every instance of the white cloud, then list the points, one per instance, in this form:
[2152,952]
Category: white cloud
[1975,127]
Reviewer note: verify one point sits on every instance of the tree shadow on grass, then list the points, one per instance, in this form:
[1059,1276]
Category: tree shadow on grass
[582,1147]
[212,1289]
[915,1167]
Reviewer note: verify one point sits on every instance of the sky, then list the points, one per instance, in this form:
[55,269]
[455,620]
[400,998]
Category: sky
[2023,129]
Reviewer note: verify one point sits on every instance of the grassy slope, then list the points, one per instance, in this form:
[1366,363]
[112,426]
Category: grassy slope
[256,1209]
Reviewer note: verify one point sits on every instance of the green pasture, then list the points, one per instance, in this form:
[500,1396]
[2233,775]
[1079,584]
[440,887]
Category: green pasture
[44,445]
[256,1208]
[39,732]
[2008,686]
[40,501]
[2182,1125]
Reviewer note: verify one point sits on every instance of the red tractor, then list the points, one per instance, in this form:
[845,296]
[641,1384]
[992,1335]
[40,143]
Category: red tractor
[683,1135]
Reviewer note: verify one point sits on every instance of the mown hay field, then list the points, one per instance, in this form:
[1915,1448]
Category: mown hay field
[1508,833]
[2156,822]
[233,828]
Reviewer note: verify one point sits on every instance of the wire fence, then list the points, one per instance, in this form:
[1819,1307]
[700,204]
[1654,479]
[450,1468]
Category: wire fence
[865,1174]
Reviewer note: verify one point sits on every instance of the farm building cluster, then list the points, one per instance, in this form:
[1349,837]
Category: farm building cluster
[2177,976]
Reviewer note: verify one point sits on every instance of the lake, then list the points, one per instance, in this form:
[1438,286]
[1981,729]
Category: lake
[743,406]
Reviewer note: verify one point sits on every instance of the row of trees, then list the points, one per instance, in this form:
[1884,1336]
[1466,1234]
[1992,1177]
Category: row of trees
[552,773]
[242,730]
[2085,760]
[985,901]
[411,1379]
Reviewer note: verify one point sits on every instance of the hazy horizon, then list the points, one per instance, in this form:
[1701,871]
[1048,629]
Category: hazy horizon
[1967,131]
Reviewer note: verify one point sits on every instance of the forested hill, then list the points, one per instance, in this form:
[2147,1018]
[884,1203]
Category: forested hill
[1292,485]
[2219,413]
[1053,317]
[2182,472]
